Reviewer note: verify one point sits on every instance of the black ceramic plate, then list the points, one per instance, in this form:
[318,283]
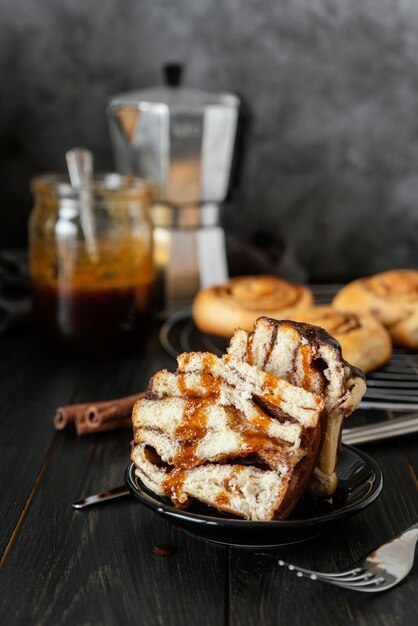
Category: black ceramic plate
[180,334]
[360,483]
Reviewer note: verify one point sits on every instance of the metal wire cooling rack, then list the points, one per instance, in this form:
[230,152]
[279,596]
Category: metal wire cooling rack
[393,387]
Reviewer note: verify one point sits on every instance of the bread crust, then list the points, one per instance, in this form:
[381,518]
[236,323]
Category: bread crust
[221,309]
[302,473]
[392,297]
[364,340]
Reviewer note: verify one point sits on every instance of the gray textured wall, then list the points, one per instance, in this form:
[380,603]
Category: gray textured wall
[332,160]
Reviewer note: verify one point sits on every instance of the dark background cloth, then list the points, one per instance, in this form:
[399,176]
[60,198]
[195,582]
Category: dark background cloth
[14,289]
[331,163]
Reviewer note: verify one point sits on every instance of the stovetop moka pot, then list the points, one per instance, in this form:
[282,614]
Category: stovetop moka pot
[182,139]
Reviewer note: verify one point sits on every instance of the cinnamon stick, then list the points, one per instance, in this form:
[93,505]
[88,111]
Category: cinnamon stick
[66,415]
[97,417]
[101,413]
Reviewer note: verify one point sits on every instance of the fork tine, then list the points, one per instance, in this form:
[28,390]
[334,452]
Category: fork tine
[375,581]
[371,584]
[363,575]
[378,584]
[299,571]
[310,572]
[382,569]
[355,574]
[375,588]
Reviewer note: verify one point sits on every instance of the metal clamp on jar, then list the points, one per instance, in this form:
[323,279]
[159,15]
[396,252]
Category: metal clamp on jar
[183,140]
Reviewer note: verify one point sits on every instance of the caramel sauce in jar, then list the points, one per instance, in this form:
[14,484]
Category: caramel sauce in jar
[99,299]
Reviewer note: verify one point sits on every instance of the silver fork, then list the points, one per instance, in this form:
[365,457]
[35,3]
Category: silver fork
[382,569]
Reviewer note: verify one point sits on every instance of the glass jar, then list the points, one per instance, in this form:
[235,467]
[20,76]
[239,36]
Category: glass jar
[91,263]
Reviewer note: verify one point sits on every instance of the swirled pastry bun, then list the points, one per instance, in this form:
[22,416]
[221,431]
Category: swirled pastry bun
[307,356]
[201,433]
[240,301]
[364,340]
[392,297]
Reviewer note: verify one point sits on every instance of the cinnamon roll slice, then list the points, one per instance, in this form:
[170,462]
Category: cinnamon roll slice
[221,309]
[247,433]
[223,432]
[392,297]
[308,357]
[364,340]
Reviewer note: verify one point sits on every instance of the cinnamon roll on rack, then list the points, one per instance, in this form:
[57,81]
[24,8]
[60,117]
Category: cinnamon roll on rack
[392,297]
[221,309]
[364,340]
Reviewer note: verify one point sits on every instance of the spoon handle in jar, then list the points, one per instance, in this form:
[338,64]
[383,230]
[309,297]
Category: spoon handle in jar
[80,169]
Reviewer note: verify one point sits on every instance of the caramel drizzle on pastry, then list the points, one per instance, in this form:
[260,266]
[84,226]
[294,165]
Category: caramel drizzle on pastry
[223,498]
[306,364]
[230,486]
[269,390]
[211,384]
[190,432]
[173,485]
[255,441]
[193,427]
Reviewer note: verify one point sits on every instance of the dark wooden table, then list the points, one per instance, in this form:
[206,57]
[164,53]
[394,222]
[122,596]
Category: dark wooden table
[61,566]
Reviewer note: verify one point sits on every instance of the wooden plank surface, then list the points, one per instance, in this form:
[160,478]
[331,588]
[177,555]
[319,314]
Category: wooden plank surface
[281,594]
[98,566]
[69,567]
[32,384]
